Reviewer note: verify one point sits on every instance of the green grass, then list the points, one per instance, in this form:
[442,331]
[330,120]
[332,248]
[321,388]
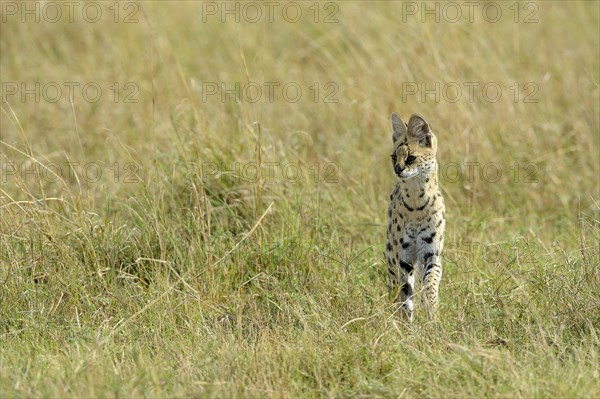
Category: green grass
[158,277]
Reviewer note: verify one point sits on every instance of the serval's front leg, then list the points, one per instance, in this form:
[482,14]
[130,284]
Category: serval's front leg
[407,291]
[431,279]
[407,288]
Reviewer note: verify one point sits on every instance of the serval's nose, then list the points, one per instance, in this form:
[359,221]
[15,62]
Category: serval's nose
[398,169]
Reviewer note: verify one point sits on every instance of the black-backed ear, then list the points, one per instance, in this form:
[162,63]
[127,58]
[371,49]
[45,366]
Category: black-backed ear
[419,129]
[398,127]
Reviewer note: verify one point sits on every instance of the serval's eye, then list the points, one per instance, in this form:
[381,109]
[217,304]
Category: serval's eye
[410,159]
[394,158]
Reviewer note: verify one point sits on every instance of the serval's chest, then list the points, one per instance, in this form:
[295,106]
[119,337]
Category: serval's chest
[416,217]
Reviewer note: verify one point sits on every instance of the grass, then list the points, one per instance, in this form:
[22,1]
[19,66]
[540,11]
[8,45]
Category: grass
[157,265]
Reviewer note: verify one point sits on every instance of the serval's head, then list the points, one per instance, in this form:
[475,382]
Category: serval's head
[415,147]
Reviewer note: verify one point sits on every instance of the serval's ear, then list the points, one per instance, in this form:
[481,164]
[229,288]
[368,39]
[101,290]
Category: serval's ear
[419,129]
[398,127]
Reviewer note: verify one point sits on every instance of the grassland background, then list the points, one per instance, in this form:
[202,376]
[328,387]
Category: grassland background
[177,282]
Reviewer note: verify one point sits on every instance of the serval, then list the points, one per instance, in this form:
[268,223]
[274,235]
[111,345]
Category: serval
[416,216]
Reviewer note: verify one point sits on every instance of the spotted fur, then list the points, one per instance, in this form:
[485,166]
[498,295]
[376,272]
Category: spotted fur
[416,215]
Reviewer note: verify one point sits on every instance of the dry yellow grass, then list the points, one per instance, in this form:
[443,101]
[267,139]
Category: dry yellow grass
[142,255]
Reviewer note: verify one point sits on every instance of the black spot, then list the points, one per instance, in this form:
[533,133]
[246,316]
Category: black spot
[406,266]
[422,194]
[424,205]
[398,227]
[428,219]
[396,242]
[429,239]
[430,266]
[389,246]
[390,212]
[439,223]
[401,240]
[392,272]
[407,207]
[405,245]
[427,256]
[427,180]
[395,220]
[407,290]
